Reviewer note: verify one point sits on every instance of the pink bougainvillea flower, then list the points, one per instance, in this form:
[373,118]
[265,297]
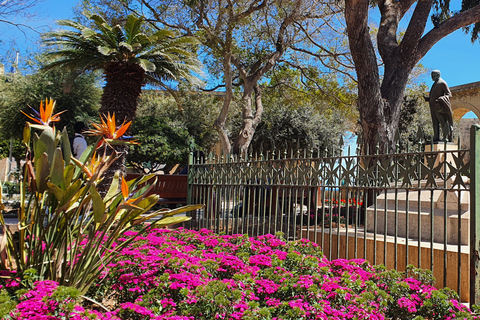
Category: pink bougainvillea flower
[45,116]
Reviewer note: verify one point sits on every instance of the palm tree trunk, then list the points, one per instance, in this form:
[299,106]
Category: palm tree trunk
[122,89]
[120,97]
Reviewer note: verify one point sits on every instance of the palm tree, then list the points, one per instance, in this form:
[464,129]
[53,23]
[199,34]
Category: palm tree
[130,56]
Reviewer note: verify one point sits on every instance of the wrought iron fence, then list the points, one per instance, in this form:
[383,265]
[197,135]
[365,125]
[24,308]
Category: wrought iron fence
[391,209]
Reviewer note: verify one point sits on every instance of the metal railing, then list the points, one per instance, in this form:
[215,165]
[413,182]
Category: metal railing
[393,209]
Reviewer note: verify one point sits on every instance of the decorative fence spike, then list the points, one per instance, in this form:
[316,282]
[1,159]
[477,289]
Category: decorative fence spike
[420,134]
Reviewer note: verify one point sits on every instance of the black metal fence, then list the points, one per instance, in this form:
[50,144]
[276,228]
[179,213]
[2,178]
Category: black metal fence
[392,209]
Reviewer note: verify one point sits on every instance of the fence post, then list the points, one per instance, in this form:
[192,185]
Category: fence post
[189,178]
[474,215]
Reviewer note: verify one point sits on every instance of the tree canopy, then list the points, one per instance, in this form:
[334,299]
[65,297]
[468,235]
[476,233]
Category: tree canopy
[380,95]
[167,134]
[242,42]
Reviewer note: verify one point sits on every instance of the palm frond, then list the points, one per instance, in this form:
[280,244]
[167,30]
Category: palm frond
[162,55]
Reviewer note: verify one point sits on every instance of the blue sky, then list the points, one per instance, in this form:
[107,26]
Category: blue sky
[455,56]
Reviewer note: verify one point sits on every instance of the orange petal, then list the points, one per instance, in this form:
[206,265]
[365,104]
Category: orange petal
[124,188]
[111,124]
[122,129]
[32,118]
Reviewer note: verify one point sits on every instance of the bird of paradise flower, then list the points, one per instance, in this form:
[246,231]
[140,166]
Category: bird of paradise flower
[45,116]
[110,133]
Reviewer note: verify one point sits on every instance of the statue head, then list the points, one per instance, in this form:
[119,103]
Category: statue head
[435,75]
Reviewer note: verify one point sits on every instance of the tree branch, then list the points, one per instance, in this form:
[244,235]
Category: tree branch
[390,11]
[416,27]
[361,46]
[251,9]
[454,23]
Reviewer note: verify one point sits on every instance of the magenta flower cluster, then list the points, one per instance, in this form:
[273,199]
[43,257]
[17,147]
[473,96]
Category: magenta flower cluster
[184,274]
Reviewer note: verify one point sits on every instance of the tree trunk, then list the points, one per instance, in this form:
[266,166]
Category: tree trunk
[222,117]
[379,105]
[370,102]
[250,121]
[379,102]
[122,89]
[120,97]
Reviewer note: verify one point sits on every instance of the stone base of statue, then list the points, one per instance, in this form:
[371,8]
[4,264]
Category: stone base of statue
[438,156]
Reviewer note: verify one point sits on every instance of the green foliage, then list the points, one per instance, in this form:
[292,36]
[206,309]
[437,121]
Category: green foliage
[437,305]
[414,114]
[196,111]
[10,188]
[328,93]
[160,53]
[67,297]
[81,97]
[18,149]
[291,127]
[7,304]
[67,228]
[162,141]
[167,134]
[310,115]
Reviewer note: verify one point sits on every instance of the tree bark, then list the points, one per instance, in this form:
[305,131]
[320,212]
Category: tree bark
[120,97]
[379,101]
[250,121]
[370,102]
[222,117]
[122,89]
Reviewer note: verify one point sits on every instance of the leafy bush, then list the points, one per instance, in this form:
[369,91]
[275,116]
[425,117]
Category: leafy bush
[185,274]
[163,144]
[10,188]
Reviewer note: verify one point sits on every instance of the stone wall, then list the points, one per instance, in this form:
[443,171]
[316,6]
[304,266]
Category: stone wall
[464,131]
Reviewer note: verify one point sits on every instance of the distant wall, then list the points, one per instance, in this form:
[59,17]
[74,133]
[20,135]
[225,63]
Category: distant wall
[465,98]
[464,131]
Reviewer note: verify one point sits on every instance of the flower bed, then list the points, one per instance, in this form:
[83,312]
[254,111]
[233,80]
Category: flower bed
[185,274]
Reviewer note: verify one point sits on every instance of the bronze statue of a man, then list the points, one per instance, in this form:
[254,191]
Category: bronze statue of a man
[440,108]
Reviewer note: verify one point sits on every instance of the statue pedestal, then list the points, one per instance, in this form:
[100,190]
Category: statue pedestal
[440,156]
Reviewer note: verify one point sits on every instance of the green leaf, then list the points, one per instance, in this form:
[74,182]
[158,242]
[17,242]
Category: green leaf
[106,51]
[42,171]
[71,194]
[129,206]
[147,65]
[148,202]
[126,45]
[57,169]
[98,205]
[67,151]
[48,138]
[86,154]
[26,135]
[190,207]
[113,190]
[83,158]
[146,178]
[68,174]
[166,213]
[132,27]
[170,220]
[38,147]
[58,192]
[87,33]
